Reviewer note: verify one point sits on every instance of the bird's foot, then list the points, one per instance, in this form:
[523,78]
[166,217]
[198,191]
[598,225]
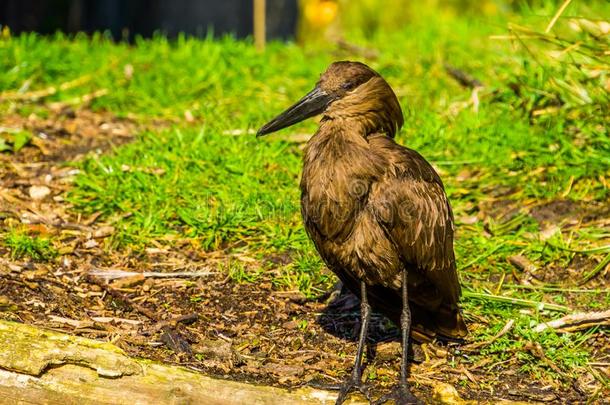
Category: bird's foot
[353,383]
[401,395]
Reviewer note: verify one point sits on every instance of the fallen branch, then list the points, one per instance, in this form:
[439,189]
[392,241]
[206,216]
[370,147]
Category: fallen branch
[113,274]
[88,323]
[42,366]
[578,321]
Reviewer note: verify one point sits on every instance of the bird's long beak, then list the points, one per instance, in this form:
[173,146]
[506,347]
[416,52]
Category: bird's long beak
[314,103]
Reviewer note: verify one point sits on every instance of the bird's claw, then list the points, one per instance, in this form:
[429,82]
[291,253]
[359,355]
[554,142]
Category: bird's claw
[401,395]
[353,383]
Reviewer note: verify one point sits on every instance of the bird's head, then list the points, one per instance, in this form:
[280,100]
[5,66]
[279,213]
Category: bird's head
[346,91]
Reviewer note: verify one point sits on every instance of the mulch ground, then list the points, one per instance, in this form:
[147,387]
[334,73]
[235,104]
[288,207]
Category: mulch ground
[178,307]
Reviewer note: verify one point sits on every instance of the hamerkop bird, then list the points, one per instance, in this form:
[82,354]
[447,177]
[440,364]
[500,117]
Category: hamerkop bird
[376,211]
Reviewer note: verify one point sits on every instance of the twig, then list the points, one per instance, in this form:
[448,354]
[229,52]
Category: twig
[87,323]
[521,33]
[558,14]
[462,77]
[84,99]
[478,345]
[71,322]
[600,249]
[601,379]
[358,50]
[112,319]
[292,137]
[561,289]
[468,374]
[49,91]
[185,319]
[516,301]
[239,132]
[536,350]
[500,284]
[113,274]
[474,98]
[523,264]
[577,321]
[123,298]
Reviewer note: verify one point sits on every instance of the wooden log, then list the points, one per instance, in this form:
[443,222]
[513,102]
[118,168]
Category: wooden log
[46,367]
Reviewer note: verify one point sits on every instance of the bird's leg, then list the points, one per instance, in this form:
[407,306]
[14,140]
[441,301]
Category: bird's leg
[401,394]
[354,381]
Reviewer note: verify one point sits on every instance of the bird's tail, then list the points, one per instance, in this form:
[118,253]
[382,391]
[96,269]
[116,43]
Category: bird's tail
[445,322]
[430,318]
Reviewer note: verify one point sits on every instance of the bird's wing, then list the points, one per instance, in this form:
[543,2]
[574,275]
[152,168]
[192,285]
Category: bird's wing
[411,205]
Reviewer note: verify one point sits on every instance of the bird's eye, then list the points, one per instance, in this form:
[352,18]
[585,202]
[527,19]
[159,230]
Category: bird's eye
[348,85]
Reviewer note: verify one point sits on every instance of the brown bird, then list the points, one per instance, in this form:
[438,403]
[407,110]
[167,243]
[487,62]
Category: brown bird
[376,211]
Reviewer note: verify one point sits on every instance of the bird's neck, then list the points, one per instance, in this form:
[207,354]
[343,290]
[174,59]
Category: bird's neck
[338,152]
[349,124]
[334,139]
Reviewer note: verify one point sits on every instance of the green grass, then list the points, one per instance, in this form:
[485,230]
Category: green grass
[13,142]
[240,194]
[22,245]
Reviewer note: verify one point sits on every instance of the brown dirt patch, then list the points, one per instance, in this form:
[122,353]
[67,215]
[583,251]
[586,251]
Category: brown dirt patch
[66,134]
[247,332]
[562,213]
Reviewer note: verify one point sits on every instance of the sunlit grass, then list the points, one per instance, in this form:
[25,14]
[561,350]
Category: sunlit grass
[23,245]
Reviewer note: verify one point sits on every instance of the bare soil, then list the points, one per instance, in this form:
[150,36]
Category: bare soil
[242,331]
